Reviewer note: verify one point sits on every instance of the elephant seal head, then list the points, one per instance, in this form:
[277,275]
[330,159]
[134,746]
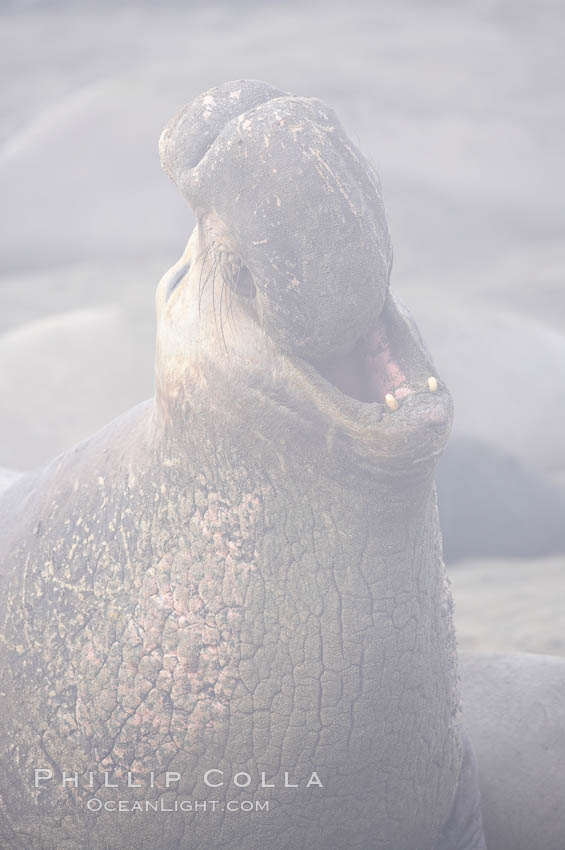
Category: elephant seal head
[284,286]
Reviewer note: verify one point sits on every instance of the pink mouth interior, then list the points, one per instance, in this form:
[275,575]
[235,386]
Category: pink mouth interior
[368,372]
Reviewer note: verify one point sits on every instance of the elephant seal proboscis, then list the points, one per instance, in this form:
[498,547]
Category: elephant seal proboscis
[226,620]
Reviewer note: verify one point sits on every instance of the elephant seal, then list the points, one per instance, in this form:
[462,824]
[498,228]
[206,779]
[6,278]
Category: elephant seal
[234,594]
[7,477]
[493,504]
[513,707]
[56,365]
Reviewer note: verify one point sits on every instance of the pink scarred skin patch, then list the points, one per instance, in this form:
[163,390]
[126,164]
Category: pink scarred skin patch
[368,372]
[383,374]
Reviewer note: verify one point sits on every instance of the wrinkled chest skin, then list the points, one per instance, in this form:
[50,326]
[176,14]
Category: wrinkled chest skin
[188,611]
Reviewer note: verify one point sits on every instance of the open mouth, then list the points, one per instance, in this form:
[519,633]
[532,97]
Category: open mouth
[387,371]
[382,366]
[369,371]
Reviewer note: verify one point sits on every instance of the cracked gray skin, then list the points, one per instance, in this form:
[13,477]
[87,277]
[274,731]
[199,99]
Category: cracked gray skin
[245,573]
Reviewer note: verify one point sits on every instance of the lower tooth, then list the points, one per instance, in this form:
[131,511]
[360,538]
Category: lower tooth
[432,384]
[390,401]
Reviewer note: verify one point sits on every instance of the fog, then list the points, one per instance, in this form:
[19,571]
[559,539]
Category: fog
[460,109]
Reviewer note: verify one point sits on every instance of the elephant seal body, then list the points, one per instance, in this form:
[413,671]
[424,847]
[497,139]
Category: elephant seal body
[234,596]
[57,365]
[7,478]
[513,707]
[492,503]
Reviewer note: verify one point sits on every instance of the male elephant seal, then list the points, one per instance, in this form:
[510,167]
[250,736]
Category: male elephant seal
[225,616]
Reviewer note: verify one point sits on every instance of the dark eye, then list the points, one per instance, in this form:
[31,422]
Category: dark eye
[242,283]
[176,278]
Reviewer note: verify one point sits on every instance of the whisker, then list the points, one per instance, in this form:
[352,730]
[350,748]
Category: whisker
[228,305]
[231,290]
[202,286]
[220,263]
[215,266]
